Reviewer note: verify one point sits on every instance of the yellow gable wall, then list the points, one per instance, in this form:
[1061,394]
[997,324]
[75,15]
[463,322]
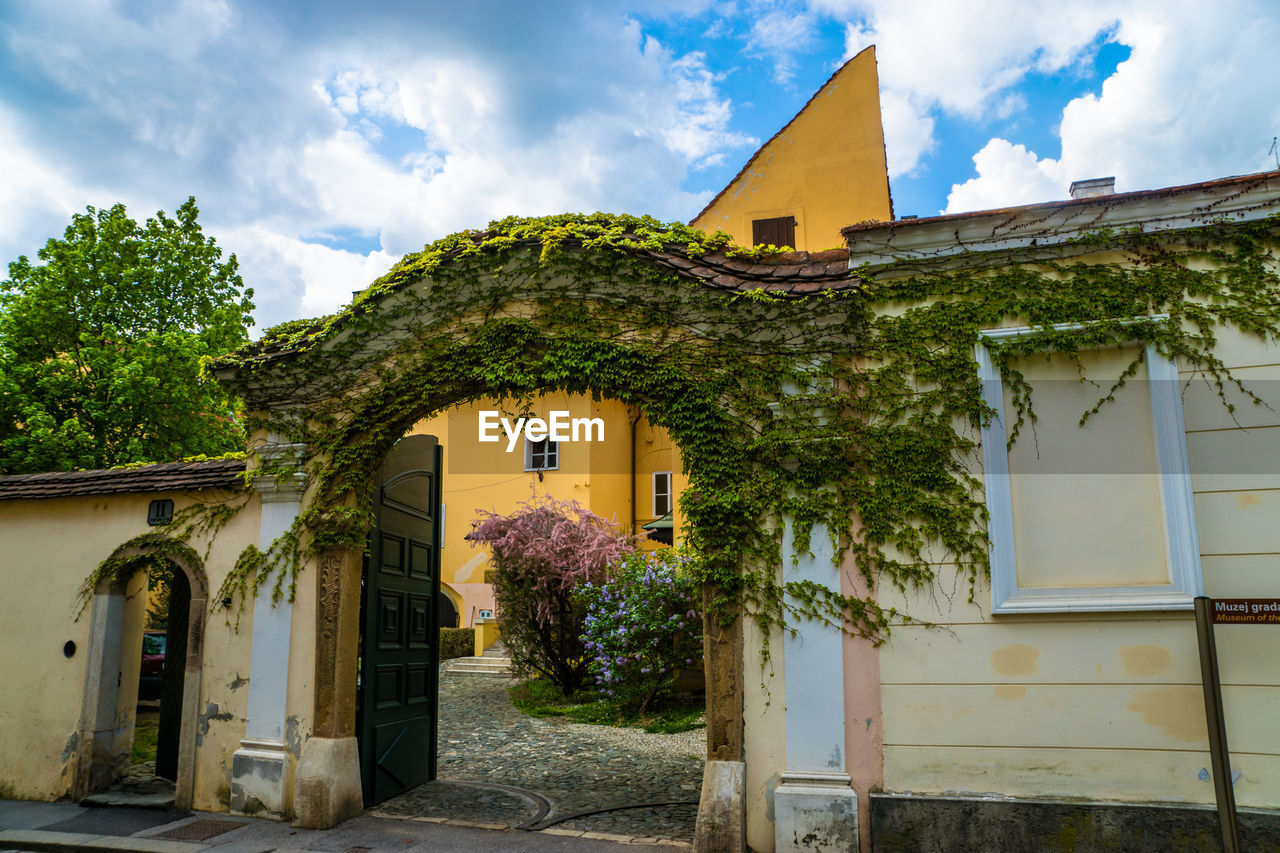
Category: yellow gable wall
[482,476]
[1106,705]
[50,547]
[826,168]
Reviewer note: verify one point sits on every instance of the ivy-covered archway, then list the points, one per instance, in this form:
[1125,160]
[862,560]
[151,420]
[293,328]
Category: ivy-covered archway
[734,356]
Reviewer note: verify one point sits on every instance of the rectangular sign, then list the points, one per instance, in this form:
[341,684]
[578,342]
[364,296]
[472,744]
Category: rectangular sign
[1246,611]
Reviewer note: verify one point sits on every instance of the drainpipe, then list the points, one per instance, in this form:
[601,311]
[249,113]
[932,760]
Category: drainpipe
[635,421]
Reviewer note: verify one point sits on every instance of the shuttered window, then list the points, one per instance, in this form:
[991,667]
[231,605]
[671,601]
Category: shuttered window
[779,231]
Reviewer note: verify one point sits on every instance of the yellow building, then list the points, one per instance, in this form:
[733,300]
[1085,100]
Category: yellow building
[823,171]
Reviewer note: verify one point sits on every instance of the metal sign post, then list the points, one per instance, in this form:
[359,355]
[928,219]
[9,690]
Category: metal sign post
[1219,757]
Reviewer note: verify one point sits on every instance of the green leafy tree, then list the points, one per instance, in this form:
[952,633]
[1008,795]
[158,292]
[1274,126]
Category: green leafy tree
[101,345]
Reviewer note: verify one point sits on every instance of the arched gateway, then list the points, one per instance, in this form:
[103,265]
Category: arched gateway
[738,357]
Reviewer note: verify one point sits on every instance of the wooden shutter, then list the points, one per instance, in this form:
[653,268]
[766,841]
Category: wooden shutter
[779,231]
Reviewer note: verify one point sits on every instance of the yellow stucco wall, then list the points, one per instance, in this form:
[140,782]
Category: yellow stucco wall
[483,476]
[1106,705]
[826,167]
[40,707]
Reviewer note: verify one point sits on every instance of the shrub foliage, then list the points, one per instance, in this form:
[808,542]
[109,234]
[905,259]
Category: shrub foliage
[457,643]
[642,624]
[541,553]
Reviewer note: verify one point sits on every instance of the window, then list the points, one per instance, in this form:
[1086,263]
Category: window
[779,231]
[541,455]
[661,493]
[1096,516]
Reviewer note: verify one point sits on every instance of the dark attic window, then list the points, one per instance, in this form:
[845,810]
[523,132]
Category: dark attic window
[779,231]
[160,513]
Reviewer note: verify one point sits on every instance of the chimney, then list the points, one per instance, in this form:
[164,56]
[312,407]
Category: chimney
[1093,187]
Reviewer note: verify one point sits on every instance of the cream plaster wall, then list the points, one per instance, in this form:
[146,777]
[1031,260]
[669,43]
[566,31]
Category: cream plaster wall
[764,744]
[50,547]
[1106,706]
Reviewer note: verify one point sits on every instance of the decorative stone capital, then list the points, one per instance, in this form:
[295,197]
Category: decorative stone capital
[273,479]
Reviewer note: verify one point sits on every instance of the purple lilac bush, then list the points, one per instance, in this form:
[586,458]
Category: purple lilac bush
[642,624]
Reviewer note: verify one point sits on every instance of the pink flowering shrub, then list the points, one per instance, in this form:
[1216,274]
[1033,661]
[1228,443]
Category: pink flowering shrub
[642,624]
[541,553]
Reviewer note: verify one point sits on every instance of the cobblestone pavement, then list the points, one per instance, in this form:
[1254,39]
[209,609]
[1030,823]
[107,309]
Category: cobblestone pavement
[576,767]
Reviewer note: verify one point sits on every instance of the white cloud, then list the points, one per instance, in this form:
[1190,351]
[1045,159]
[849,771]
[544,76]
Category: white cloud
[36,202]
[780,34]
[1008,175]
[1188,105]
[908,132]
[960,56]
[290,123]
[315,278]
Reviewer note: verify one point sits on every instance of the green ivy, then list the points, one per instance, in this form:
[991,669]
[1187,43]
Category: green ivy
[860,402]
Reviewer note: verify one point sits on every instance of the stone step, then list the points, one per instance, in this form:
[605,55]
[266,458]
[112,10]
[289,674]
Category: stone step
[497,667]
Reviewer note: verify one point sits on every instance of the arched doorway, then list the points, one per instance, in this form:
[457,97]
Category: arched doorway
[177,629]
[109,704]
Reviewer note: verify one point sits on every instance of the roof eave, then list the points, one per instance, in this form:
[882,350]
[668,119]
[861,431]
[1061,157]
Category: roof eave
[1053,227]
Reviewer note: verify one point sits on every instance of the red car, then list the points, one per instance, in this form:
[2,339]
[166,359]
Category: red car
[151,677]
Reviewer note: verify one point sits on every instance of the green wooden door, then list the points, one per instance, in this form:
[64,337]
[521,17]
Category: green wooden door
[399,653]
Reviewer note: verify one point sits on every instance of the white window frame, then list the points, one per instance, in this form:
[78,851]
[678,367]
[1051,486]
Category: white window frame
[553,451]
[1182,543]
[670,493]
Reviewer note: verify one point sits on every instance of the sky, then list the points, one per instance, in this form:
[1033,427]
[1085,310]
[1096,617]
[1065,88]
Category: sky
[324,140]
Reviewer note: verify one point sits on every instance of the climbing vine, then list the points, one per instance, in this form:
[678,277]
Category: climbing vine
[859,400]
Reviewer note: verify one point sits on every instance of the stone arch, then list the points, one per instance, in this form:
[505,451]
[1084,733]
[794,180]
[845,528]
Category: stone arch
[98,740]
[705,347]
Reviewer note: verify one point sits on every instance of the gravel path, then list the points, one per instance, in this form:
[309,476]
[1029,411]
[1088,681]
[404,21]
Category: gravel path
[576,767]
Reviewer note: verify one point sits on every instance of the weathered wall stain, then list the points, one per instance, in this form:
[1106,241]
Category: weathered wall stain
[1145,660]
[238,682]
[1176,711]
[1247,500]
[73,744]
[292,737]
[1011,692]
[210,713]
[1017,659]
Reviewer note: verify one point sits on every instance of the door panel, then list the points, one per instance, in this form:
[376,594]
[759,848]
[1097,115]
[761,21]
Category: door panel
[398,668]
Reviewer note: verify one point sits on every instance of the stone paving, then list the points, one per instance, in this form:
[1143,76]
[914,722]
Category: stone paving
[575,767]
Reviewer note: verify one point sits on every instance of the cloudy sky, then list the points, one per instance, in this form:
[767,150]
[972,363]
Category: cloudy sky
[324,140]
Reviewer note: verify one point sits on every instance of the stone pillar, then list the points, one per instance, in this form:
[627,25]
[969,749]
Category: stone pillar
[258,768]
[815,808]
[326,790]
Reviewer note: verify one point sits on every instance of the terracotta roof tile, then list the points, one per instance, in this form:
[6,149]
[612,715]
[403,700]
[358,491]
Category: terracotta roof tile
[162,477]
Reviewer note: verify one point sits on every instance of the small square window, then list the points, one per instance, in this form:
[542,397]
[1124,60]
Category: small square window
[541,455]
[661,493]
